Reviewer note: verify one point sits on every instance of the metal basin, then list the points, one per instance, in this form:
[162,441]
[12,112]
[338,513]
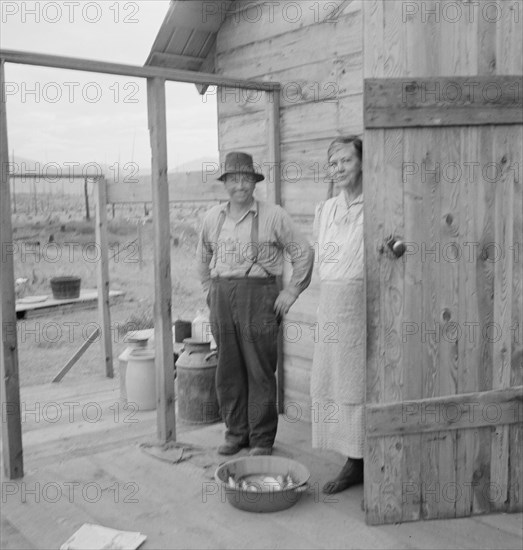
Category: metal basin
[268,499]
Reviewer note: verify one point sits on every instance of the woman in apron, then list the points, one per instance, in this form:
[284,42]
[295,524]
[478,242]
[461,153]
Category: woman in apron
[338,371]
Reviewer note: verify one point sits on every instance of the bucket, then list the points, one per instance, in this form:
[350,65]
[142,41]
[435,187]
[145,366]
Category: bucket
[195,383]
[140,379]
[65,288]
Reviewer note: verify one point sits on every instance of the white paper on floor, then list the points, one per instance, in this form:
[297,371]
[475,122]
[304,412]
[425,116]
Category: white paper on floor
[97,537]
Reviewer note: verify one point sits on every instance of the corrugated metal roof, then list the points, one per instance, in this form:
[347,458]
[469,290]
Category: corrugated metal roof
[187,37]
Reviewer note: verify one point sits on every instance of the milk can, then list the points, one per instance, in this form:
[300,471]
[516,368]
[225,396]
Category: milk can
[140,379]
[134,344]
[196,386]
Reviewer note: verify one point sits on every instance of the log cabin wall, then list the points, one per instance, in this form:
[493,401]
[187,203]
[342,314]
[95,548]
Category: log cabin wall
[314,49]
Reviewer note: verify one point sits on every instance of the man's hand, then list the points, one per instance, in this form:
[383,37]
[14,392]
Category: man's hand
[283,302]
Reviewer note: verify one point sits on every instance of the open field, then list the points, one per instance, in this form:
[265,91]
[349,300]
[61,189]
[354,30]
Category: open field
[61,242]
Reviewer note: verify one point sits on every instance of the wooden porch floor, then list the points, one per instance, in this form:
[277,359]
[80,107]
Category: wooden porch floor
[83,464]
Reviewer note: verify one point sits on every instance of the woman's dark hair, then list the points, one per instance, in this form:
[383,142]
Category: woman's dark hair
[345,140]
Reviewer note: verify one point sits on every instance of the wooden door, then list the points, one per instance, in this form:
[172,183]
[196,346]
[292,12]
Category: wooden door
[443,149]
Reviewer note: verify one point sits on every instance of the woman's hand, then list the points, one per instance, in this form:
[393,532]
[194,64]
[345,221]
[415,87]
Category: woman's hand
[284,302]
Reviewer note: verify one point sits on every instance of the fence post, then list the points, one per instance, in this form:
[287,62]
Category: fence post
[86,195]
[102,276]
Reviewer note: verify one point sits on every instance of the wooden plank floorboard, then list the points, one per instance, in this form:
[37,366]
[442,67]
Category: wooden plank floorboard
[209,520]
[503,524]
[171,510]
[10,537]
[34,511]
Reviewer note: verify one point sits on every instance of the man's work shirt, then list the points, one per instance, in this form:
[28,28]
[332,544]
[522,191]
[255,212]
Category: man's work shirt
[226,247]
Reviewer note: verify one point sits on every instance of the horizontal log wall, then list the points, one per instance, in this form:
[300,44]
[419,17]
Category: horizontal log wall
[314,49]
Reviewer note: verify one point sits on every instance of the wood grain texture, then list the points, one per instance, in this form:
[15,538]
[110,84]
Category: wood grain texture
[292,49]
[374,459]
[451,215]
[469,349]
[411,327]
[263,21]
[443,101]
[164,359]
[448,412]
[515,486]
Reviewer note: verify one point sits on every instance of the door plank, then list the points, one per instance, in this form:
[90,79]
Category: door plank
[469,351]
[431,207]
[392,281]
[373,220]
[448,315]
[411,337]
[515,494]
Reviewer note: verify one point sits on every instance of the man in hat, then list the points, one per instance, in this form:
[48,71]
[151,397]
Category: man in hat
[241,251]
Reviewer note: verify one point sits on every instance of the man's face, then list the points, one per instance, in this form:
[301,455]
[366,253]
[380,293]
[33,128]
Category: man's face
[345,166]
[240,188]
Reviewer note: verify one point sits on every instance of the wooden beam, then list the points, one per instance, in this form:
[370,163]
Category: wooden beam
[174,61]
[207,67]
[90,65]
[272,128]
[10,384]
[272,115]
[433,414]
[442,101]
[163,338]
[76,355]
[102,275]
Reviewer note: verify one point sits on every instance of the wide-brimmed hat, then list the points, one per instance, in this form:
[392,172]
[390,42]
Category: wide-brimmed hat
[240,163]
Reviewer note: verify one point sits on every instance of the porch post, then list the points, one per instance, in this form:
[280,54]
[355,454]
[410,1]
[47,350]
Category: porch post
[164,358]
[272,115]
[10,383]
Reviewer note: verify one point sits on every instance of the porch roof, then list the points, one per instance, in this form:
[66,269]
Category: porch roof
[187,38]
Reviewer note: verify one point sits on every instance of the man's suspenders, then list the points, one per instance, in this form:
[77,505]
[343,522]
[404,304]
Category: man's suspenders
[253,243]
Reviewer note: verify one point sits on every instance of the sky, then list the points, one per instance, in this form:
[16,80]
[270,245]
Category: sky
[62,116]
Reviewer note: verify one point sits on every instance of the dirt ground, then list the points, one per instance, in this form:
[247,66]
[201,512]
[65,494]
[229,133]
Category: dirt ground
[60,242]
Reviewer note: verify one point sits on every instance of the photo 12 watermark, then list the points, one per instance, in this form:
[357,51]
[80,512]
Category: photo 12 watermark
[451,492]
[36,92]
[270,12]
[70,171]
[456,12]
[265,492]
[469,332]
[455,172]
[52,492]
[72,412]
[291,93]
[69,12]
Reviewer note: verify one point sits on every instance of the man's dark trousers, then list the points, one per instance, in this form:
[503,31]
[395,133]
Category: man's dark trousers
[245,327]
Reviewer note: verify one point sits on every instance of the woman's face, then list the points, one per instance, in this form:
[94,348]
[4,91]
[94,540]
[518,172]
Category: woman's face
[345,166]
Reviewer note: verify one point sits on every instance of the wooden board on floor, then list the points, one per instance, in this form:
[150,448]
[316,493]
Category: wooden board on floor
[87,298]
